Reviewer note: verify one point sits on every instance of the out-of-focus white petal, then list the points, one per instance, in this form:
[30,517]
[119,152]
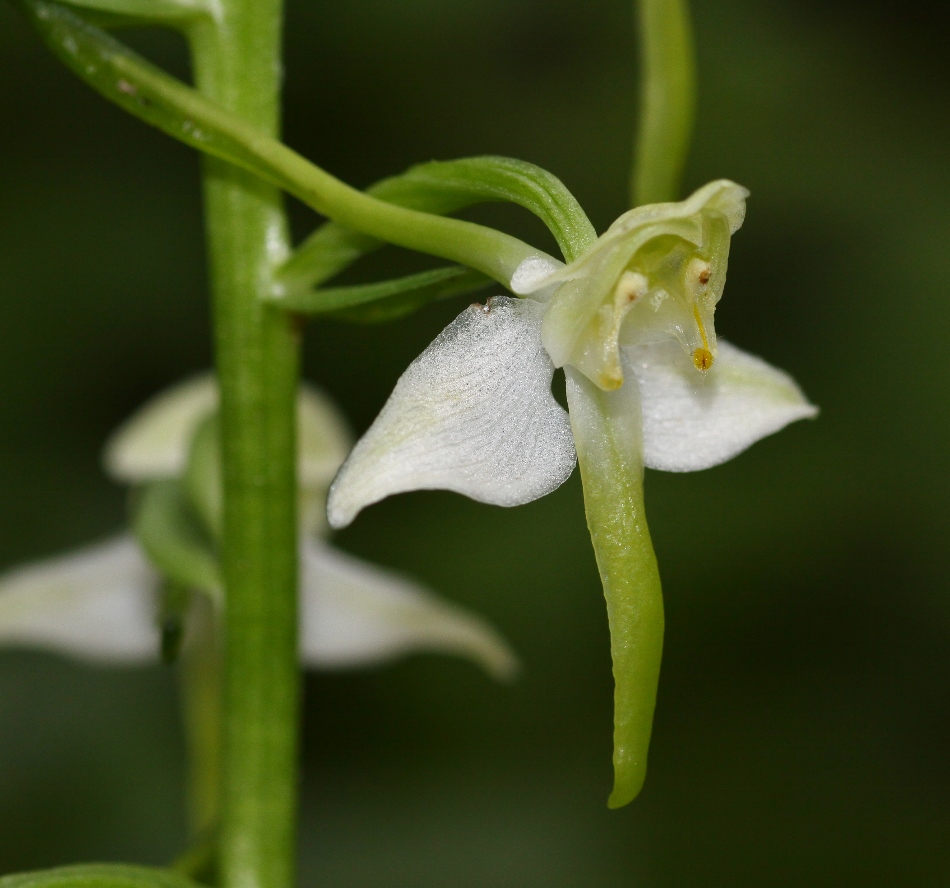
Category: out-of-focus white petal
[154,441]
[95,604]
[353,614]
[323,438]
[473,413]
[694,420]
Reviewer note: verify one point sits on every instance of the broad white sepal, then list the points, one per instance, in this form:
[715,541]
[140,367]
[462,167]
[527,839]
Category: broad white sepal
[97,604]
[353,613]
[694,420]
[473,413]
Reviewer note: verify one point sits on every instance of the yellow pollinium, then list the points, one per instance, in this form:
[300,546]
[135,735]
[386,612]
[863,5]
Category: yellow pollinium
[702,357]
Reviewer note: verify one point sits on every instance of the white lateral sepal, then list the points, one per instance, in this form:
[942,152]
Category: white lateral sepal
[353,613]
[95,604]
[473,413]
[693,420]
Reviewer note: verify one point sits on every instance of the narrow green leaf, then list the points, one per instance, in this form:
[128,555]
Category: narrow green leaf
[387,300]
[171,535]
[445,187]
[98,875]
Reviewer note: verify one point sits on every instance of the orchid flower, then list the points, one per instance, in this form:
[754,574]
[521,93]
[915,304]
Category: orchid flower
[648,384]
[104,603]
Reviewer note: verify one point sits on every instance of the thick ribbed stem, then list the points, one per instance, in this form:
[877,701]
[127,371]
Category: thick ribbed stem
[237,64]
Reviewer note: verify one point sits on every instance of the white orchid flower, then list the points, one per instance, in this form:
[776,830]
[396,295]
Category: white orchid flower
[631,323]
[103,603]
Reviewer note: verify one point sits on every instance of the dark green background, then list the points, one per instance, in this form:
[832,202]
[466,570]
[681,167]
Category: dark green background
[803,727]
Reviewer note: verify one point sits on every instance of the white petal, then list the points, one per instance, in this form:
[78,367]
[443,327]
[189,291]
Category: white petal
[96,604]
[692,420]
[353,613]
[155,441]
[473,413]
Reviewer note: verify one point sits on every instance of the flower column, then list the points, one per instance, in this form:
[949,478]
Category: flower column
[237,64]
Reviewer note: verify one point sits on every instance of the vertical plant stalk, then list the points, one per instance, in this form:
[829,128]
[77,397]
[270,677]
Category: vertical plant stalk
[667,100]
[238,65]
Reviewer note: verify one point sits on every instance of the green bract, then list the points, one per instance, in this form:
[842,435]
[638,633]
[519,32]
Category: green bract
[656,273]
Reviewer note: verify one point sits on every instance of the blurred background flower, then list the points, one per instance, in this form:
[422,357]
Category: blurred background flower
[803,721]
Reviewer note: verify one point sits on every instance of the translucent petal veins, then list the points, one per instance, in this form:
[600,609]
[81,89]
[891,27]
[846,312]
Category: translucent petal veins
[95,604]
[473,413]
[354,613]
[693,420]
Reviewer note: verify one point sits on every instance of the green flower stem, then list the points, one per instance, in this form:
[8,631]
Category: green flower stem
[443,187]
[668,99]
[237,65]
[608,436]
[218,128]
